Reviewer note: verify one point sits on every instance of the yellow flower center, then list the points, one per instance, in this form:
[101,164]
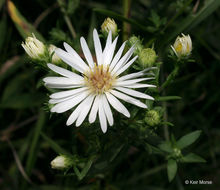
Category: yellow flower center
[99,79]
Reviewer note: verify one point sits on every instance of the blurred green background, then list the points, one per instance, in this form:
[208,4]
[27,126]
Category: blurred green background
[27,128]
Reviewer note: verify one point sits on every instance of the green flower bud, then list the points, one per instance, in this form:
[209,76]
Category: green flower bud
[34,47]
[177,153]
[133,40]
[152,118]
[109,25]
[55,58]
[182,46]
[147,57]
[61,162]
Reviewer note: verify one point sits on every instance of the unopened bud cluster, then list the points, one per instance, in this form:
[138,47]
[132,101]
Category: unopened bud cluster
[34,47]
[109,25]
[38,51]
[152,118]
[182,46]
[146,56]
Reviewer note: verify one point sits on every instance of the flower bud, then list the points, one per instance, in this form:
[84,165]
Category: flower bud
[147,57]
[133,40]
[152,118]
[61,162]
[182,46]
[34,47]
[177,153]
[55,58]
[109,25]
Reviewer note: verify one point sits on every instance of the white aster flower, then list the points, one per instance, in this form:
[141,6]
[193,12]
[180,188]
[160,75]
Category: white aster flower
[34,47]
[98,85]
[182,46]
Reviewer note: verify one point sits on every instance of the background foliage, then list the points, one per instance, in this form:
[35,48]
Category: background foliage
[124,158]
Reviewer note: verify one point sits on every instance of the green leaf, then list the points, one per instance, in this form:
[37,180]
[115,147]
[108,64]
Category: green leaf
[167,98]
[3,29]
[166,146]
[23,26]
[32,156]
[192,158]
[171,169]
[188,139]
[85,170]
[54,145]
[87,167]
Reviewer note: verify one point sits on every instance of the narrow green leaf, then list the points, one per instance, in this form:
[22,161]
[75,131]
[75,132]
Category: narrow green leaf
[167,98]
[166,146]
[188,139]
[24,27]
[54,145]
[32,156]
[171,169]
[3,29]
[87,167]
[192,158]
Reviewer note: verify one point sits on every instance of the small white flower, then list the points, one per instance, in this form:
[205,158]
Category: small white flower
[61,162]
[33,47]
[109,25]
[182,46]
[98,85]
[55,58]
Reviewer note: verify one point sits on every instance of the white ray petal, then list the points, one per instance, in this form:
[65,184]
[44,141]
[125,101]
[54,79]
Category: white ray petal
[75,114]
[102,117]
[129,82]
[67,58]
[56,101]
[64,94]
[109,54]
[134,93]
[117,56]
[116,104]
[74,55]
[66,105]
[107,110]
[85,110]
[94,110]
[98,47]
[87,52]
[61,81]
[62,86]
[108,42]
[138,85]
[64,72]
[128,99]
[123,60]
[123,68]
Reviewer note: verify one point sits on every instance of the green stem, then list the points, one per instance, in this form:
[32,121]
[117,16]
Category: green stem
[171,77]
[67,19]
[126,14]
